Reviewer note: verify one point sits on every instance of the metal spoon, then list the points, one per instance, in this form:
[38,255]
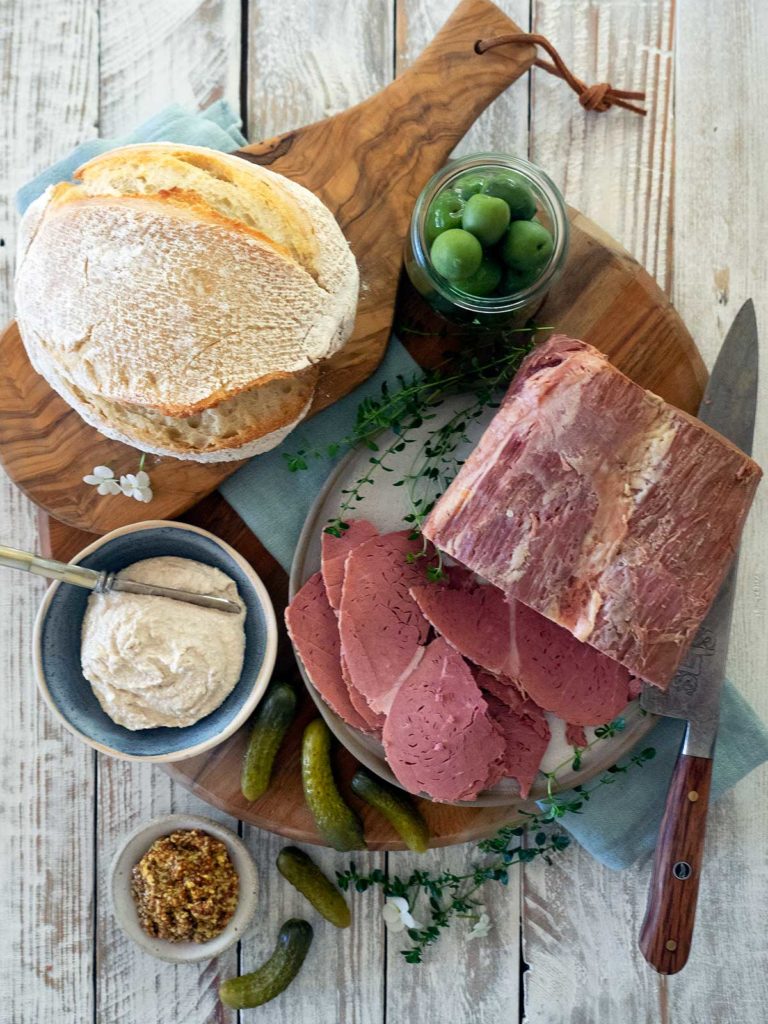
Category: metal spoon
[103,582]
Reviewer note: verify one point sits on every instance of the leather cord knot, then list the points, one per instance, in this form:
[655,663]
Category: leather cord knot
[595,97]
[598,98]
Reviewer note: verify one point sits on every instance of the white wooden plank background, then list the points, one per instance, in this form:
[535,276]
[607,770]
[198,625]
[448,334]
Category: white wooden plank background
[684,191]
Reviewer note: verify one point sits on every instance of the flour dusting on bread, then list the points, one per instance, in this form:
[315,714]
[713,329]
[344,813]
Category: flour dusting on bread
[181,299]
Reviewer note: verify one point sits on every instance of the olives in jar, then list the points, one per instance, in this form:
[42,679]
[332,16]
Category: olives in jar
[445,212]
[456,254]
[527,246]
[516,194]
[487,240]
[485,217]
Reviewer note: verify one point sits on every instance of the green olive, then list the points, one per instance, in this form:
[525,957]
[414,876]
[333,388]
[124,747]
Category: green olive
[515,281]
[456,254]
[484,280]
[527,245]
[486,217]
[444,212]
[470,184]
[512,188]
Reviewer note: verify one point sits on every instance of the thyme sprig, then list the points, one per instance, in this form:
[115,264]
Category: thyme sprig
[479,371]
[447,896]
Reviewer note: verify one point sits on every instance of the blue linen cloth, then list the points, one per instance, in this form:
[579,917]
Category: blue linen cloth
[620,821]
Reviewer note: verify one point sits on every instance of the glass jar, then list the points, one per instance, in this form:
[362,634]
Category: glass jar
[494,310]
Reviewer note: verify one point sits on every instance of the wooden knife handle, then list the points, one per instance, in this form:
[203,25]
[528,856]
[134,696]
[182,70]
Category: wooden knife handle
[667,931]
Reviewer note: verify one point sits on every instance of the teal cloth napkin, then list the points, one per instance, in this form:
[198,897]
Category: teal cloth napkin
[620,821]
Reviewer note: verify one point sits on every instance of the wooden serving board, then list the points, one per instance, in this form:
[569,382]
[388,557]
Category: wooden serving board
[604,297]
[367,164]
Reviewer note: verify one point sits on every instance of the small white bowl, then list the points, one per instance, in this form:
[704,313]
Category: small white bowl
[133,848]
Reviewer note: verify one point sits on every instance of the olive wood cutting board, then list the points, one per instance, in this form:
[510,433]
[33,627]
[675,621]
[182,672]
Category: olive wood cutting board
[368,164]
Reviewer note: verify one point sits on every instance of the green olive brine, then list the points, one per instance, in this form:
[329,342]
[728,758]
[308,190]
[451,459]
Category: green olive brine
[482,235]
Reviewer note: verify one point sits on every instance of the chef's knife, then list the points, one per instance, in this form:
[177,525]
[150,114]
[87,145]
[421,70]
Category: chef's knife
[694,694]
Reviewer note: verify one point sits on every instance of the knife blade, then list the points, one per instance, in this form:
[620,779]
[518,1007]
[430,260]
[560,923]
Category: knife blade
[728,406]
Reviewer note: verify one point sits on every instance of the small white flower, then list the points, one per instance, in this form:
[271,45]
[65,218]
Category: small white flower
[481,926]
[136,485]
[103,479]
[397,915]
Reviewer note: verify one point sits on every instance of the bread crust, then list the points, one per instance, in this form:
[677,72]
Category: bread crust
[172,280]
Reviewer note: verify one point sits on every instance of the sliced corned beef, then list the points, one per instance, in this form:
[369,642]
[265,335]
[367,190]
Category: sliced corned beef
[601,506]
[374,721]
[314,630]
[575,735]
[526,738]
[558,672]
[382,630]
[439,738]
[334,554]
[473,617]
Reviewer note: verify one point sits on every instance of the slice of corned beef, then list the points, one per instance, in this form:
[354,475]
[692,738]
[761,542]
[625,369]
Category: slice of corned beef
[374,722]
[561,675]
[439,738]
[557,671]
[599,505]
[575,735]
[314,630]
[473,617]
[382,630]
[526,740]
[334,554]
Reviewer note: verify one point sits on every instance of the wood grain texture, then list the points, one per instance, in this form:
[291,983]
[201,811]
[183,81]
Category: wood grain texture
[153,54]
[157,52]
[341,55]
[580,920]
[49,64]
[367,164]
[667,929]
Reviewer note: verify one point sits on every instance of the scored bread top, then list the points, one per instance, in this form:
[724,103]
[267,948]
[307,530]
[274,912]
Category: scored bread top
[233,188]
[175,278]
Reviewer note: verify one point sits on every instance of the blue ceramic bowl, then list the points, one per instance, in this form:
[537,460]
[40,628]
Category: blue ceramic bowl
[56,645]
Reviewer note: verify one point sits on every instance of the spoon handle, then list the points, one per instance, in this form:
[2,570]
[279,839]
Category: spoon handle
[74,574]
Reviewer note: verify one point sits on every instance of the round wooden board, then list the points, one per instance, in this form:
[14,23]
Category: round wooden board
[604,297]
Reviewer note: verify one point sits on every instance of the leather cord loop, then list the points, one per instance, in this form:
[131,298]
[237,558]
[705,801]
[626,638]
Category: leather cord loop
[599,98]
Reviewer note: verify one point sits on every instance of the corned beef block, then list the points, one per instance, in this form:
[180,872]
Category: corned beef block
[600,506]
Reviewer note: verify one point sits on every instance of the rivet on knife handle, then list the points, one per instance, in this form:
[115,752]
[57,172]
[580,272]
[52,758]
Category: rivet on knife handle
[667,930]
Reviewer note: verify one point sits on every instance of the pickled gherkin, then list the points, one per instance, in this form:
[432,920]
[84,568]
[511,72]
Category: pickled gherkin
[274,976]
[336,822]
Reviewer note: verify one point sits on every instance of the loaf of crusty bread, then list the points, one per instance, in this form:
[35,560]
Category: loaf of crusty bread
[181,299]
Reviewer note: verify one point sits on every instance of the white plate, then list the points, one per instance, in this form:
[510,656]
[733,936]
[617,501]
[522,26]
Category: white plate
[385,506]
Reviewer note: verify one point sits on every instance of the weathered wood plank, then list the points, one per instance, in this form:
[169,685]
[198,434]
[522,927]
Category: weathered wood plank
[720,224]
[477,981]
[308,60]
[48,96]
[581,921]
[171,51]
[153,54]
[614,167]
[305,61]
